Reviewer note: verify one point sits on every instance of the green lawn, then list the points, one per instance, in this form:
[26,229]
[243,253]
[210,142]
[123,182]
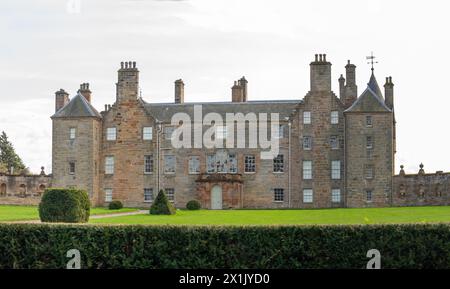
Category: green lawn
[19,213]
[290,217]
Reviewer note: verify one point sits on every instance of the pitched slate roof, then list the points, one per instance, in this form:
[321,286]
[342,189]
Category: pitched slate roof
[371,100]
[77,107]
[164,111]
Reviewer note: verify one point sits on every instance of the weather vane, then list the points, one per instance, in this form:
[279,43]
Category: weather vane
[371,58]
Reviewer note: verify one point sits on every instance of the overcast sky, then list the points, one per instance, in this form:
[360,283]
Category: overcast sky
[52,44]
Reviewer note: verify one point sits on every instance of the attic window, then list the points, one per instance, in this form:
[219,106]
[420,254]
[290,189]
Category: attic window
[369,121]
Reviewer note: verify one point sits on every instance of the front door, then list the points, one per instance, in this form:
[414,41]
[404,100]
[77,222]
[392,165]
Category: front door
[216,198]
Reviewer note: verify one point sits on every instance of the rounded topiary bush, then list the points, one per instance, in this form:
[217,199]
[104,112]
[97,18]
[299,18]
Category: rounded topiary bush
[193,205]
[64,205]
[115,205]
[162,206]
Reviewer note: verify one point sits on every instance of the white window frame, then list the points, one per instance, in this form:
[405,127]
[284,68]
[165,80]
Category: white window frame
[147,133]
[308,196]
[108,195]
[190,165]
[148,161]
[334,117]
[111,134]
[335,195]
[278,195]
[307,117]
[148,199]
[307,170]
[72,133]
[166,171]
[109,165]
[336,170]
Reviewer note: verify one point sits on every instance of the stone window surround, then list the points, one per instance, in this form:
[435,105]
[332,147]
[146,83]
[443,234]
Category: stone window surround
[170,194]
[334,139]
[369,195]
[307,142]
[369,142]
[369,121]
[369,172]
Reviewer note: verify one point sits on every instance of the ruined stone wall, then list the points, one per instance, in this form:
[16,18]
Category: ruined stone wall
[421,189]
[23,189]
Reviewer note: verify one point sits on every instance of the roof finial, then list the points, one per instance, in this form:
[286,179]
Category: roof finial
[371,58]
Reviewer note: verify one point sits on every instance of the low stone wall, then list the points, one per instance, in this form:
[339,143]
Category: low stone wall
[421,189]
[23,189]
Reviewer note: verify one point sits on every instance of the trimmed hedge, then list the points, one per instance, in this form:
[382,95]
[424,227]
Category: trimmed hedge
[115,205]
[193,205]
[401,246]
[64,205]
[162,206]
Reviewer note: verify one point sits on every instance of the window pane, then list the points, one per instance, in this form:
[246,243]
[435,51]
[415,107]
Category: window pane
[111,133]
[108,195]
[278,164]
[369,142]
[368,120]
[147,133]
[307,196]
[72,133]
[194,165]
[72,168]
[336,170]
[109,165]
[368,172]
[211,164]
[334,117]
[148,164]
[148,195]
[250,164]
[169,164]
[334,142]
[307,170]
[307,142]
[369,196]
[336,195]
[278,195]
[306,117]
[170,194]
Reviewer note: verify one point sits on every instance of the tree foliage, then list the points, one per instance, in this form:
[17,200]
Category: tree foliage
[9,157]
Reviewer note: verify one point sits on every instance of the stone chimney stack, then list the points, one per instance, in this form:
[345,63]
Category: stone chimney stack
[239,90]
[389,93]
[351,89]
[85,91]
[243,83]
[179,91]
[341,87]
[128,81]
[61,99]
[320,74]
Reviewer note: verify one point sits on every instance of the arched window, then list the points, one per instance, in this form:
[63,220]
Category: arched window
[41,189]
[3,190]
